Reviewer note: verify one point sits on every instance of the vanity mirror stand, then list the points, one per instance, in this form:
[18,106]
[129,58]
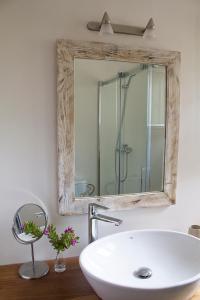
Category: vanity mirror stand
[35,215]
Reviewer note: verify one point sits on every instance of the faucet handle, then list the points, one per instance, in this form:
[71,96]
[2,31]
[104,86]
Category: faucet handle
[95,205]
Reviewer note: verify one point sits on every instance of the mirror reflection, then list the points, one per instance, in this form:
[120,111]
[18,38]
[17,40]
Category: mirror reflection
[120,112]
[29,214]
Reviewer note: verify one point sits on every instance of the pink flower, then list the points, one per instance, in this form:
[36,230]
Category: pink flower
[73,242]
[46,232]
[69,229]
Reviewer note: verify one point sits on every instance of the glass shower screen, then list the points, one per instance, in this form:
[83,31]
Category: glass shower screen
[127,132]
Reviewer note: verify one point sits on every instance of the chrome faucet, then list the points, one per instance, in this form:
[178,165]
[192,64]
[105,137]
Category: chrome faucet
[93,217]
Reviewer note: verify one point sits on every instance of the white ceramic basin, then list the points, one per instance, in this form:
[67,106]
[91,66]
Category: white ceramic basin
[110,265]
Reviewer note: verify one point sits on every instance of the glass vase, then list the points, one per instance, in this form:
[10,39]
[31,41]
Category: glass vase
[59,264]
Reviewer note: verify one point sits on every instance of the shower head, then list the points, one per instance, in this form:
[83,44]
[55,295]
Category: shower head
[126,85]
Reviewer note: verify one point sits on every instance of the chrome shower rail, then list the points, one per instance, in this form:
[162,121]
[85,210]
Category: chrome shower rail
[123,75]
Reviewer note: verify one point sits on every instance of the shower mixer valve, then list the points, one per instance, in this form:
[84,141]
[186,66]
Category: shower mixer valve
[125,149]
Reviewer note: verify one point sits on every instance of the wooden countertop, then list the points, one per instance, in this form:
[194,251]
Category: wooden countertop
[55,286]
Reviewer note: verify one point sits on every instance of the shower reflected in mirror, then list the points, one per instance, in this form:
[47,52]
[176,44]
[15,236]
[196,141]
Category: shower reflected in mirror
[120,110]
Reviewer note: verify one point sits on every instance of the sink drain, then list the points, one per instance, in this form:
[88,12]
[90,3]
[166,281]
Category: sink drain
[143,273]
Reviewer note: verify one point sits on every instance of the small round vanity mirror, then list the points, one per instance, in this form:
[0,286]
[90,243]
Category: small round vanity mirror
[28,219]
[29,225]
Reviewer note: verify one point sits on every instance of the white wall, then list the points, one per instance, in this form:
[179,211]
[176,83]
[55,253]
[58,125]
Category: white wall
[28,31]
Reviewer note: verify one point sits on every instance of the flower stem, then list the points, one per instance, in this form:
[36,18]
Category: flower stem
[57,254]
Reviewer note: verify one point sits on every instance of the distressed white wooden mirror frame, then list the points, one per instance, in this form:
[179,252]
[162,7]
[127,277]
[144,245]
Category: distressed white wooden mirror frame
[67,51]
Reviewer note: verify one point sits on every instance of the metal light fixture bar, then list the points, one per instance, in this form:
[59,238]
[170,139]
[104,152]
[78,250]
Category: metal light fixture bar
[122,29]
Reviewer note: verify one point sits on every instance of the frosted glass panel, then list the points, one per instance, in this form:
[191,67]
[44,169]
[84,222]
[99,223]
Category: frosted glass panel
[158,128]
[108,134]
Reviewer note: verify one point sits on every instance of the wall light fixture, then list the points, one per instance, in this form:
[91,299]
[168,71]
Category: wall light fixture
[106,27]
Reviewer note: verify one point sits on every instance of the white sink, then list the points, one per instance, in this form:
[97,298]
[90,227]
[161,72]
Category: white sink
[111,265]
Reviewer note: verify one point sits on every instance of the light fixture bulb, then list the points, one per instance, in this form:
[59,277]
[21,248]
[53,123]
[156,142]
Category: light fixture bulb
[106,26]
[106,29]
[149,32]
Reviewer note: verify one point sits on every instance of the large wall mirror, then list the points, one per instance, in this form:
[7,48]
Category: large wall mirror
[118,115]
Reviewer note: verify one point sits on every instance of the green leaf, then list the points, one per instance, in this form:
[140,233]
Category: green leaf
[63,241]
[31,228]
